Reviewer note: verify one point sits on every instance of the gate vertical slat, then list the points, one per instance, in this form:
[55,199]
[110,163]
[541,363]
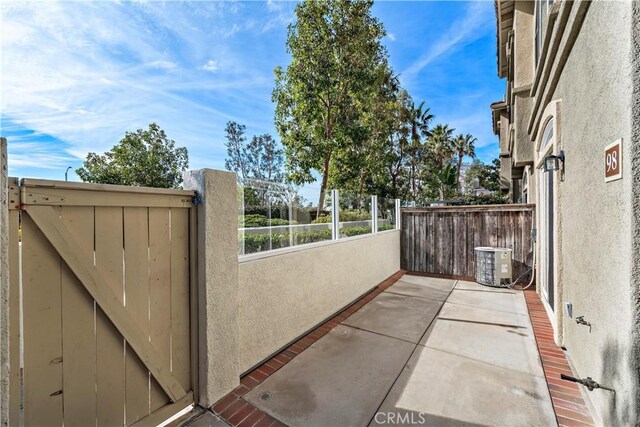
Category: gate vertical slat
[78,316]
[109,342]
[42,328]
[136,256]
[14,316]
[181,352]
[160,291]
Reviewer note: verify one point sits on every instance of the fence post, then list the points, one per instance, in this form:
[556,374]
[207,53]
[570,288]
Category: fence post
[398,215]
[335,215]
[218,334]
[4,285]
[374,214]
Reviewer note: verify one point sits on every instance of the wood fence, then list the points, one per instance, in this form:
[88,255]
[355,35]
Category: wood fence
[441,240]
[106,279]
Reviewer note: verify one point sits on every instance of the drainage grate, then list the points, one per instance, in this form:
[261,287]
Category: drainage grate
[265,396]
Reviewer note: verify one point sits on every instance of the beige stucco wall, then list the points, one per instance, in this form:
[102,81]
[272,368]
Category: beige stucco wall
[217,293]
[594,217]
[522,152]
[523,24]
[285,293]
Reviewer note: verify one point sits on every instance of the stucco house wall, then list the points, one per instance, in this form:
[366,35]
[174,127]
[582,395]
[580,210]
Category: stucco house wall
[595,217]
[588,82]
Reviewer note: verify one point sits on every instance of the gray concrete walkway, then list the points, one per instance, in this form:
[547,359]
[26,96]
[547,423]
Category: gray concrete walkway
[425,351]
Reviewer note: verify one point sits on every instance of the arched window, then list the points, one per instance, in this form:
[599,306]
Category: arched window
[547,136]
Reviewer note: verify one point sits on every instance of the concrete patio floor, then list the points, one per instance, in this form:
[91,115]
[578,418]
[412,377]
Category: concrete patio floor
[424,351]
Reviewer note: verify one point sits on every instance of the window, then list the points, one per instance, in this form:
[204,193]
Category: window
[547,136]
[542,15]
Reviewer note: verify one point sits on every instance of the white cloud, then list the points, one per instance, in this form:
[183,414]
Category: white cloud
[273,5]
[69,72]
[391,37]
[162,65]
[211,66]
[474,24]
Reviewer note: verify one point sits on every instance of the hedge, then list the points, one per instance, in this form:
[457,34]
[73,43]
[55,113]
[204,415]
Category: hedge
[260,242]
[345,215]
[255,220]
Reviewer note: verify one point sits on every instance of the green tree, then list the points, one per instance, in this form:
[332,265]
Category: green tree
[488,176]
[236,144]
[336,57]
[441,143]
[446,181]
[492,176]
[463,145]
[264,159]
[419,119]
[145,158]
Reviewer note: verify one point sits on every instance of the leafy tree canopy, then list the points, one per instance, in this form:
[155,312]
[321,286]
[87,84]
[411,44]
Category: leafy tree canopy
[145,158]
[322,98]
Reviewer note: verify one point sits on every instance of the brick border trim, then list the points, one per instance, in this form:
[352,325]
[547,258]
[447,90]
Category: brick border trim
[236,411]
[566,397]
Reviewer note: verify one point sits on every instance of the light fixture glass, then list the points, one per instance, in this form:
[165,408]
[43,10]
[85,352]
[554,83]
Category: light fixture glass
[551,163]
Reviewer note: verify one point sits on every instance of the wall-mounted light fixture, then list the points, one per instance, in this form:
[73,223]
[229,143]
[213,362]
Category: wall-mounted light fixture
[552,162]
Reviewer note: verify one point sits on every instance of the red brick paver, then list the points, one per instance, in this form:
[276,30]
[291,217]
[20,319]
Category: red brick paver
[236,411]
[566,397]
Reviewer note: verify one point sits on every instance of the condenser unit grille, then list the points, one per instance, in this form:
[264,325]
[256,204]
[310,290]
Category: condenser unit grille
[493,266]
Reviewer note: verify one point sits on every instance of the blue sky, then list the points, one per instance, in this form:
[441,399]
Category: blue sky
[77,75]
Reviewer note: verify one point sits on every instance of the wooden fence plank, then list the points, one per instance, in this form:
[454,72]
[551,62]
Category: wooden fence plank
[136,282]
[78,337]
[14,319]
[42,328]
[160,290]
[441,240]
[109,342]
[180,339]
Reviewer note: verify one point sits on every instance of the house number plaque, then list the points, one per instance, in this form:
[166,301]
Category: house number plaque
[613,161]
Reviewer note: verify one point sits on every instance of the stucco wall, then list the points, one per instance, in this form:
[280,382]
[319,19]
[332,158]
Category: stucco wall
[283,294]
[524,27]
[523,147]
[594,217]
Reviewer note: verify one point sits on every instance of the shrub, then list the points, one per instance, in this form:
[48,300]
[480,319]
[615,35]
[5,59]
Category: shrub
[324,219]
[355,231]
[255,220]
[260,242]
[490,199]
[345,215]
[385,227]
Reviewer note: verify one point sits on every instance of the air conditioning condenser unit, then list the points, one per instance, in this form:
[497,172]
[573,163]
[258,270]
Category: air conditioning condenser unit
[493,266]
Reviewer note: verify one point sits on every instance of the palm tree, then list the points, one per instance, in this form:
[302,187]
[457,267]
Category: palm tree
[464,145]
[442,144]
[419,119]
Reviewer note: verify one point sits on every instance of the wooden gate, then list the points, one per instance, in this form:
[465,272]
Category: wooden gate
[101,309]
